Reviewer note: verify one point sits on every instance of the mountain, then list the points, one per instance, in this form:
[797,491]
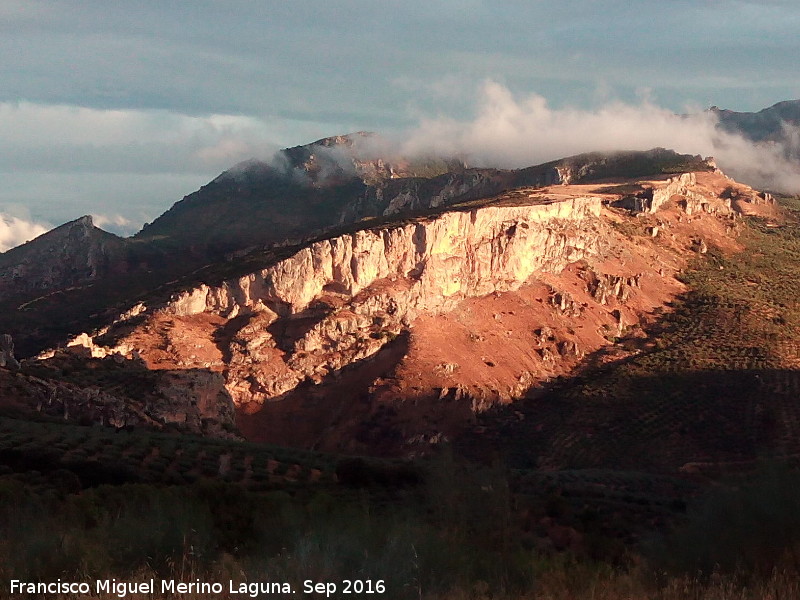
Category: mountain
[553,359]
[287,288]
[337,181]
[77,277]
[73,253]
[396,332]
[300,191]
[763,126]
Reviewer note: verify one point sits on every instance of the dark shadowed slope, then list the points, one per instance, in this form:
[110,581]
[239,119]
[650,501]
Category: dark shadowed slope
[764,125]
[74,252]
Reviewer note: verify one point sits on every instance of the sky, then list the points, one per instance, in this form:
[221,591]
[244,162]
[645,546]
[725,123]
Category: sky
[119,109]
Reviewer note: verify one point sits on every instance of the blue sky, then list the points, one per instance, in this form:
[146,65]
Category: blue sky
[120,108]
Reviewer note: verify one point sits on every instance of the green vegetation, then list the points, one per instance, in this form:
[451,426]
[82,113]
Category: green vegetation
[587,494]
[716,377]
[97,455]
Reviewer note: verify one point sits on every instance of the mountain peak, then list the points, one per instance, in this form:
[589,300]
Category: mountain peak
[85,220]
[71,253]
[348,139]
[766,125]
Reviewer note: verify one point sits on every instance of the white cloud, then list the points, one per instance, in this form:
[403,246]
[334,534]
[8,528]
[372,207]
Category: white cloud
[516,132]
[129,166]
[15,231]
[65,138]
[115,223]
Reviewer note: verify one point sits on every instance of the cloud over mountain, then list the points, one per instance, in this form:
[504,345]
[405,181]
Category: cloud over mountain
[15,231]
[511,131]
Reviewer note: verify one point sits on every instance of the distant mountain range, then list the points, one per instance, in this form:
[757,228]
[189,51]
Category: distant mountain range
[259,209]
[765,125]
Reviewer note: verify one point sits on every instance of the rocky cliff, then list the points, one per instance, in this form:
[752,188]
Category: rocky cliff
[75,277]
[457,310]
[356,291]
[120,393]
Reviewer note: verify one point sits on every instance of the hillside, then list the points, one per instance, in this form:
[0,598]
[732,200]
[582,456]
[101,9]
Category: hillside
[551,375]
[764,125]
[394,337]
[710,387]
[250,216]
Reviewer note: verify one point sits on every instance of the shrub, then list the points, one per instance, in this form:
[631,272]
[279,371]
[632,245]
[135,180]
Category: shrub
[747,526]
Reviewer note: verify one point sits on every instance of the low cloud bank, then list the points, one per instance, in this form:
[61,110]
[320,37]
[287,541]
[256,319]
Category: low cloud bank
[15,231]
[513,132]
[73,139]
[129,165]
[114,223]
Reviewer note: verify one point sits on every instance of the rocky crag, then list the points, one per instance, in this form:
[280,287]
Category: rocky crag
[74,253]
[77,276]
[388,338]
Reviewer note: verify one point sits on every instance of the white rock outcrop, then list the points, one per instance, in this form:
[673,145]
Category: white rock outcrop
[359,290]
[340,300]
[454,256]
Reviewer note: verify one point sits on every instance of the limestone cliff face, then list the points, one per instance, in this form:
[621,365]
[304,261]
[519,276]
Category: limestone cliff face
[355,292]
[682,188]
[340,300]
[577,273]
[456,255]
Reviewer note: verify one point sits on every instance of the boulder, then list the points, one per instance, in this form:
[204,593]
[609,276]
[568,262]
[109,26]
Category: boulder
[7,359]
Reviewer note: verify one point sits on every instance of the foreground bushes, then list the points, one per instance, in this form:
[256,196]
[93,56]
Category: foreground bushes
[748,526]
[221,531]
[453,535]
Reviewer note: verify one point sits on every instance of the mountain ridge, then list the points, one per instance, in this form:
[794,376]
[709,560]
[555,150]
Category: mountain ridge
[765,125]
[148,262]
[288,337]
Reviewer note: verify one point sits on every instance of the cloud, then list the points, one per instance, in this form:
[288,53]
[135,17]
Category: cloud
[71,138]
[15,231]
[512,132]
[63,161]
[115,224]
[118,111]
[244,57]
[129,166]
[60,197]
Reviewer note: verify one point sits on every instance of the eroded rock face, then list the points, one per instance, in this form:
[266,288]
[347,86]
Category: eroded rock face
[457,255]
[357,291]
[682,188]
[71,387]
[603,286]
[7,359]
[278,336]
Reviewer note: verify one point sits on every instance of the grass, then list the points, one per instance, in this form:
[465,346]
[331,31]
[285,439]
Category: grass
[584,498]
[717,381]
[149,456]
